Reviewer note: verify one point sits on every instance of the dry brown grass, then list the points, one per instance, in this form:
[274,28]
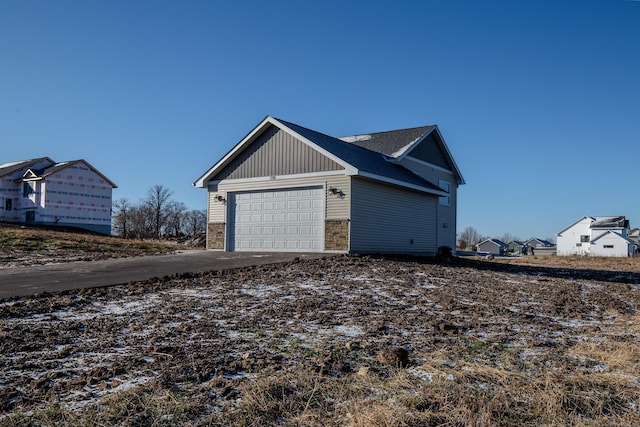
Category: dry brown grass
[631,264]
[20,245]
[488,348]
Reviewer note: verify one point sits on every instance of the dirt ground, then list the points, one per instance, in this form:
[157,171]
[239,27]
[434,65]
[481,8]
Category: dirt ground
[337,316]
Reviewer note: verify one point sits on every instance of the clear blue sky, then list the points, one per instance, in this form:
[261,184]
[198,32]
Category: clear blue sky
[539,101]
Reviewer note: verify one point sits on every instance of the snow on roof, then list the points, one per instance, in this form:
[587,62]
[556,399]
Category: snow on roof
[355,138]
[6,165]
[402,150]
[609,222]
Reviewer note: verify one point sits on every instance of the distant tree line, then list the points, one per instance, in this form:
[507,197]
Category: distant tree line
[470,237]
[157,216]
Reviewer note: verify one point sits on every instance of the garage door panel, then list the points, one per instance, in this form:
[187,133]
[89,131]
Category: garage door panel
[306,231]
[304,204]
[279,220]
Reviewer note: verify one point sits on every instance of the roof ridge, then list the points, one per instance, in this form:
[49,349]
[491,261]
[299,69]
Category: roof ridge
[338,140]
[391,131]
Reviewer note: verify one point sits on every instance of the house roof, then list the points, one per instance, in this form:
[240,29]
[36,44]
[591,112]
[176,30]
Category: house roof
[496,242]
[544,242]
[575,222]
[610,222]
[618,235]
[11,167]
[397,144]
[36,174]
[355,159]
[390,143]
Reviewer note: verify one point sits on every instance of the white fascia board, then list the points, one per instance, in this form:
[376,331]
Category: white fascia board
[574,223]
[276,178]
[90,166]
[407,151]
[422,162]
[601,236]
[232,153]
[350,169]
[29,175]
[618,235]
[446,147]
[402,184]
[249,139]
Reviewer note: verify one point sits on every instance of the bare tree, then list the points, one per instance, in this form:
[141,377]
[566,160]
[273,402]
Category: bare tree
[507,237]
[158,198]
[141,226]
[195,222]
[157,215]
[470,236]
[175,217]
[122,217]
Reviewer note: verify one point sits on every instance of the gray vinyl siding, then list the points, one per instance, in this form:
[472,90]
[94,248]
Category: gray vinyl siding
[389,219]
[447,218]
[336,206]
[274,153]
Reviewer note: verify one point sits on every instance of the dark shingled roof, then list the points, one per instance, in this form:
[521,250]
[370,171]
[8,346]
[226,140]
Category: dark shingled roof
[44,172]
[388,142]
[365,160]
[610,222]
[8,168]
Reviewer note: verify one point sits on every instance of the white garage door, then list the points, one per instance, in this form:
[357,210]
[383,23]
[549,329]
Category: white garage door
[277,220]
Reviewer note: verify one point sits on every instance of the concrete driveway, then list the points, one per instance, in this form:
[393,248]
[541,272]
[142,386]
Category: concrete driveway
[20,281]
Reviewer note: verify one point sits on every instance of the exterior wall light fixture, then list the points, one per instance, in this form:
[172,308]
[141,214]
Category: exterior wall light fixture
[336,191]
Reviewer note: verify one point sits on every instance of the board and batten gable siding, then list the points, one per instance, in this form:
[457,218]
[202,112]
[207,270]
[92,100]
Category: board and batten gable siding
[388,219]
[447,218]
[273,153]
[336,206]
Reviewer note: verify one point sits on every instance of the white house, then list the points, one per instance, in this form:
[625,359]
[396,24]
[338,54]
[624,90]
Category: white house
[596,236]
[41,191]
[284,187]
[612,243]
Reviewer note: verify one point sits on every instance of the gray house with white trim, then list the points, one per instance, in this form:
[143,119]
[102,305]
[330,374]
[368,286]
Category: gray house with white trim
[493,247]
[284,187]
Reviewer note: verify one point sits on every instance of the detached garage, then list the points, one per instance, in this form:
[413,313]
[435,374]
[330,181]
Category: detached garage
[288,188]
